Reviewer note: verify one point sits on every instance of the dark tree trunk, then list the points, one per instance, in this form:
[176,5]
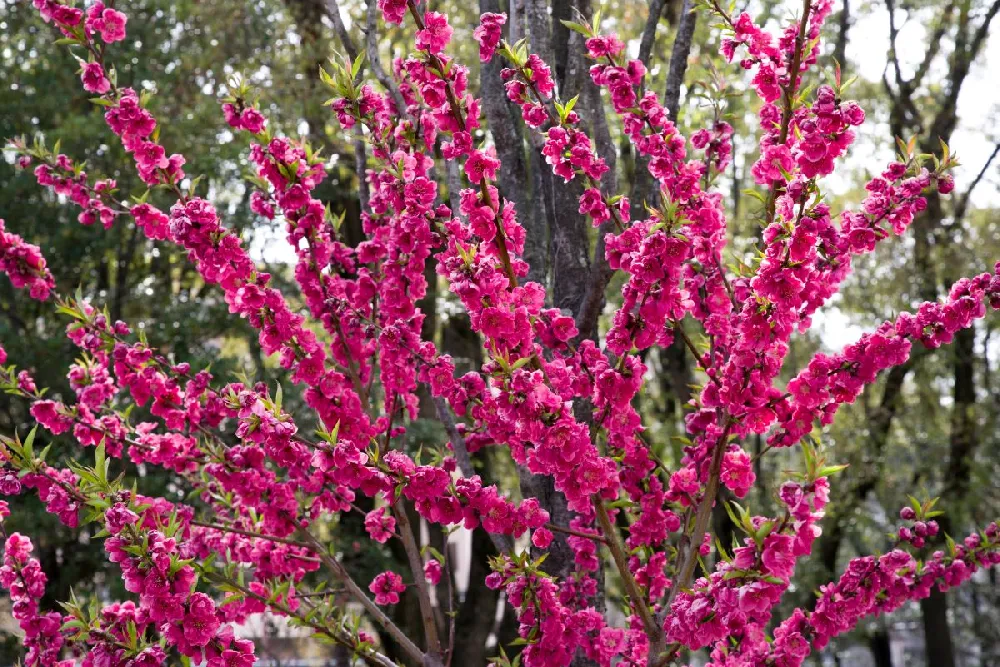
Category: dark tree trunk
[843,26]
[679,59]
[506,127]
[937,633]
[878,643]
[963,422]
[570,256]
[962,444]
[477,614]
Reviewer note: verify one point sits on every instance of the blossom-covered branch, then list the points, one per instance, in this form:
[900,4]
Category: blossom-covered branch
[560,402]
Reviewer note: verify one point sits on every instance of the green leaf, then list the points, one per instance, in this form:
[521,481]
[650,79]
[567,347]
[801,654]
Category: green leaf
[356,66]
[101,463]
[577,27]
[732,515]
[571,103]
[520,363]
[762,532]
[826,471]
[28,451]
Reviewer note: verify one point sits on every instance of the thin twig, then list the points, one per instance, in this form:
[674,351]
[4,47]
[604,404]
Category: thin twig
[412,550]
[373,610]
[618,554]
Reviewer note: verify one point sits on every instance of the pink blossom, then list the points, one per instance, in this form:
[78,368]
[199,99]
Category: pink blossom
[481,165]
[559,400]
[432,571]
[380,525]
[436,33]
[387,586]
[777,556]
[488,34]
[393,11]
[93,79]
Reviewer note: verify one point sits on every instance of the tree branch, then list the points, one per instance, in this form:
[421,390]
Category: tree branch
[338,635]
[679,55]
[333,11]
[963,203]
[412,549]
[649,31]
[593,299]
[373,610]
[702,517]
[981,33]
[933,47]
[613,540]
[375,60]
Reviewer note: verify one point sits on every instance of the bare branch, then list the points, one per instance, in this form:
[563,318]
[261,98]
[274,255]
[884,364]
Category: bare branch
[893,34]
[981,33]
[375,60]
[933,47]
[597,283]
[843,26]
[963,203]
[409,539]
[333,11]
[373,610]
[339,635]
[649,32]
[516,21]
[679,59]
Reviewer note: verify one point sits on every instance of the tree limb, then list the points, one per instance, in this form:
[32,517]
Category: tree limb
[679,55]
[963,203]
[649,31]
[375,60]
[333,11]
[369,605]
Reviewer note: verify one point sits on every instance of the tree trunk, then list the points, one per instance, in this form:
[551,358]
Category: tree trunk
[937,633]
[879,645]
[514,180]
[477,613]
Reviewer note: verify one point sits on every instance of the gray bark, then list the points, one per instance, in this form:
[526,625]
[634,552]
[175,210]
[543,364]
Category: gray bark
[507,131]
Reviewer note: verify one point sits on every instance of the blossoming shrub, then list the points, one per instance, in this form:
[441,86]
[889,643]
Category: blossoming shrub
[560,403]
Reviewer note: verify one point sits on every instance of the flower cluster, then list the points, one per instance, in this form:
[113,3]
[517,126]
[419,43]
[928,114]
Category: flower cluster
[488,33]
[22,576]
[153,568]
[387,586]
[24,264]
[869,586]
[737,598]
